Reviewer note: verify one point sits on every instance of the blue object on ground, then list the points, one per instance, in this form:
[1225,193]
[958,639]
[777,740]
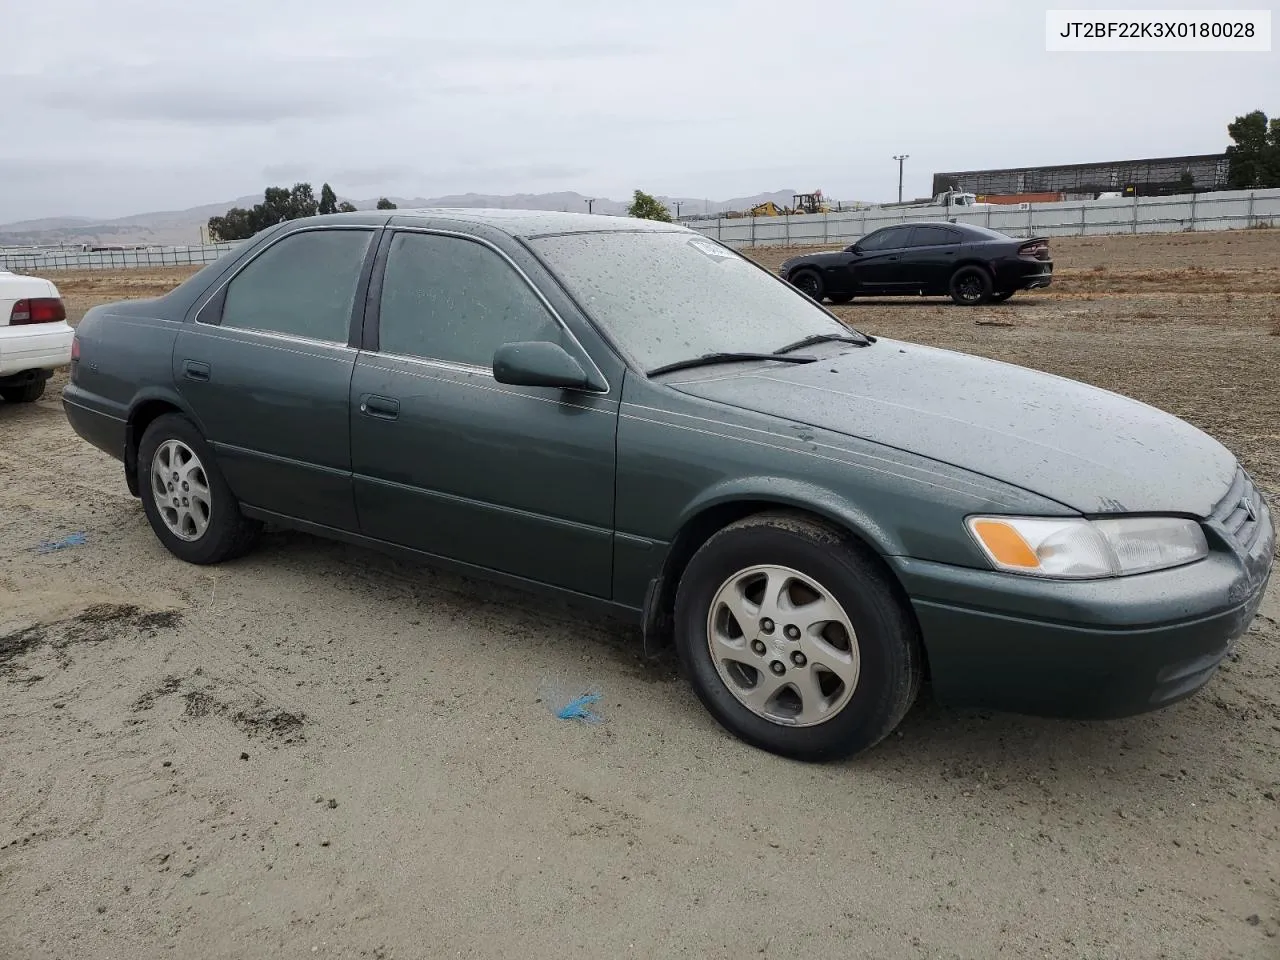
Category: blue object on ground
[577,709]
[74,540]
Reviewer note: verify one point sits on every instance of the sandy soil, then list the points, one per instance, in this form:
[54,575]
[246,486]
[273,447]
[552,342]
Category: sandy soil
[316,751]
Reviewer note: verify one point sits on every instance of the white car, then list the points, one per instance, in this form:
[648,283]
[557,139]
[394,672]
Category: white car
[35,338]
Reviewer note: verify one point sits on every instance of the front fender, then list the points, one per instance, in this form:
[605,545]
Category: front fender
[799,495]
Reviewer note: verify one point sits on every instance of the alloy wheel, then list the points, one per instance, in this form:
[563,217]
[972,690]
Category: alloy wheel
[181,490]
[783,645]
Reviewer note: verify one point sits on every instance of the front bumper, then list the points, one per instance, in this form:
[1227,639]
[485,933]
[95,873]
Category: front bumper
[1087,649]
[38,346]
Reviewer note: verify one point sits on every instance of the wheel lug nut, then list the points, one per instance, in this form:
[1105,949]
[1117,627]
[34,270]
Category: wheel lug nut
[777,667]
[758,647]
[798,659]
[766,625]
[792,631]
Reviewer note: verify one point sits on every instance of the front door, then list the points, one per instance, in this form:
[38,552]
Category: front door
[876,266]
[266,369]
[449,461]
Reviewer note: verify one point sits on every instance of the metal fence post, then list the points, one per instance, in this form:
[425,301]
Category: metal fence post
[787,228]
[1083,211]
[1135,211]
[1249,219]
[1193,212]
[988,218]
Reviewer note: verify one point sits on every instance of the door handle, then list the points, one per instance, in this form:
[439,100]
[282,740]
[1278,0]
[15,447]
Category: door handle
[195,370]
[384,408]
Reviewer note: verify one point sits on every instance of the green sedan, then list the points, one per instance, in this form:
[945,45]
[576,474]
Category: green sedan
[631,414]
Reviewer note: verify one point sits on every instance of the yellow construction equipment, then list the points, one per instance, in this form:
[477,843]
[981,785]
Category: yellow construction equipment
[768,209]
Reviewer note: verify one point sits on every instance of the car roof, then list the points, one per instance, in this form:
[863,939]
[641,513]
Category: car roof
[518,223]
[968,229]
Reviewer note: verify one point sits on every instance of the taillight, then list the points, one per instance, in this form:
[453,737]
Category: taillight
[37,310]
[1036,248]
[75,349]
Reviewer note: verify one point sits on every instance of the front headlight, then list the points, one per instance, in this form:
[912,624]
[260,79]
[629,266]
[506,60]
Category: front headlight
[1081,549]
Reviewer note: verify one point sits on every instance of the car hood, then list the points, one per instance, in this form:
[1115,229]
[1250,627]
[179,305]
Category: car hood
[1089,449]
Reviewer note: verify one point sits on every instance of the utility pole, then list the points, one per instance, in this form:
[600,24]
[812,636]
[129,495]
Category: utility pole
[900,158]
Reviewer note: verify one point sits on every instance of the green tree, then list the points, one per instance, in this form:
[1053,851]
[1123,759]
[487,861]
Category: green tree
[1254,157]
[345,207]
[648,207]
[328,200]
[1186,182]
[385,204]
[278,204]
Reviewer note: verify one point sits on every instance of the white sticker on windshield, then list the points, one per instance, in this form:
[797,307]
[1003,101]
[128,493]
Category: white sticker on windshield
[712,249]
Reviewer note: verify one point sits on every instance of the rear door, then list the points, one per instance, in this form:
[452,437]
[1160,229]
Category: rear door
[449,461]
[929,260]
[266,369]
[875,266]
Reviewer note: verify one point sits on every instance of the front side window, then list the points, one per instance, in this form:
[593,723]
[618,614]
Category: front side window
[452,299]
[302,286]
[888,239]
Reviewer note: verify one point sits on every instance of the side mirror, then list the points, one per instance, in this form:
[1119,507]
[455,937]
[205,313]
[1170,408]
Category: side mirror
[855,249]
[539,363]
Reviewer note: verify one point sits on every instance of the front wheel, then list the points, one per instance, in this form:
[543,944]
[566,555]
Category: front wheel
[970,286]
[1002,296]
[794,639]
[809,283]
[188,503]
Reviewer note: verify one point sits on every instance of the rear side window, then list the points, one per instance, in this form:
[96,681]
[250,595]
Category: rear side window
[451,299]
[303,286]
[933,237]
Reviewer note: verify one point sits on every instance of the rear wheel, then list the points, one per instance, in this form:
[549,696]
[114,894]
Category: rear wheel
[187,501]
[970,286]
[809,283]
[1002,295]
[839,298]
[27,393]
[795,639]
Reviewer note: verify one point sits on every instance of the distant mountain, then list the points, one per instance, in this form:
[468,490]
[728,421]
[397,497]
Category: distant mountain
[184,226]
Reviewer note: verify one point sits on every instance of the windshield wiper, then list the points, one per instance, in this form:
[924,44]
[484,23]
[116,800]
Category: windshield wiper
[861,341]
[709,358]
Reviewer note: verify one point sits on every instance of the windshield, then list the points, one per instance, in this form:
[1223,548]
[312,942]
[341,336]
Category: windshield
[667,297]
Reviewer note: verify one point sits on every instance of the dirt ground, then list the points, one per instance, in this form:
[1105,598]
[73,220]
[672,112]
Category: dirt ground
[316,751]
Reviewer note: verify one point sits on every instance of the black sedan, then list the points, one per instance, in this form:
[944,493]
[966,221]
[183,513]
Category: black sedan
[971,264]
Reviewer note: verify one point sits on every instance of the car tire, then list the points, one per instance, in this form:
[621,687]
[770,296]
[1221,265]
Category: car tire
[1001,296]
[809,283]
[839,298]
[27,393]
[200,521]
[851,699]
[970,286]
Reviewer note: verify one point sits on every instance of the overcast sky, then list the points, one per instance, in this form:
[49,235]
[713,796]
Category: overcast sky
[112,107]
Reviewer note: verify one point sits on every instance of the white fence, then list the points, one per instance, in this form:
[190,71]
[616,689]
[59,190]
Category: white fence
[38,259]
[1228,210]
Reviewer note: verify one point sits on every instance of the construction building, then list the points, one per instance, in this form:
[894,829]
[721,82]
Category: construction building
[1083,181]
